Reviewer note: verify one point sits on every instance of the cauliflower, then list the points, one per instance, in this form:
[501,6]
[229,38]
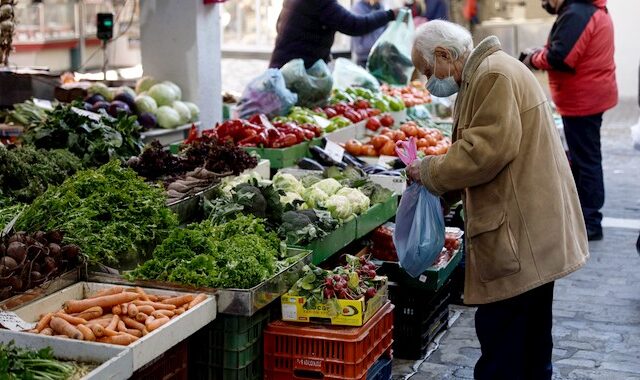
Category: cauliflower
[315,197]
[289,197]
[287,182]
[339,207]
[359,202]
[328,185]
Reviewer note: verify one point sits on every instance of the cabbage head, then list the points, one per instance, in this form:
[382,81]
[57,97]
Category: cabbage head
[175,89]
[145,103]
[289,197]
[328,185]
[195,111]
[144,84]
[183,110]
[163,94]
[101,89]
[339,207]
[359,202]
[287,182]
[168,118]
[315,197]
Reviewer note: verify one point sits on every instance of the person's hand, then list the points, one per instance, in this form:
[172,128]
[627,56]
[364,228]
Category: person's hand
[413,171]
[526,56]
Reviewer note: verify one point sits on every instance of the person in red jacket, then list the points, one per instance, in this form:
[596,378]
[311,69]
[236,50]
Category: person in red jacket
[579,60]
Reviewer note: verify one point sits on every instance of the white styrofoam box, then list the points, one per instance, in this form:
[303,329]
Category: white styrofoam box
[167,136]
[114,362]
[263,169]
[144,349]
[399,116]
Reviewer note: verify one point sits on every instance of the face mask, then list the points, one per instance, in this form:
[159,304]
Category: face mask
[549,8]
[442,88]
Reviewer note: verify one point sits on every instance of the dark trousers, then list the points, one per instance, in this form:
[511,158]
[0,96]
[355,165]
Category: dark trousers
[583,139]
[515,337]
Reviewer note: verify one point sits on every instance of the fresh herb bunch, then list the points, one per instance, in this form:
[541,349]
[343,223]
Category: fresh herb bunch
[94,142]
[8,211]
[110,213]
[26,172]
[238,254]
[216,156]
[23,364]
[25,114]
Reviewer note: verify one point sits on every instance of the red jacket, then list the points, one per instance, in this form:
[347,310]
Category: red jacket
[579,59]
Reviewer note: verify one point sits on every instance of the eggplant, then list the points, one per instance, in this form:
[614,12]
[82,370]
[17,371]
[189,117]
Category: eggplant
[353,161]
[309,164]
[323,158]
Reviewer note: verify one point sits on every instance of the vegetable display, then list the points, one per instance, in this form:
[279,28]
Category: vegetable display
[26,172]
[354,280]
[110,213]
[25,114]
[18,363]
[28,260]
[95,142]
[9,210]
[411,95]
[115,315]
[380,101]
[240,253]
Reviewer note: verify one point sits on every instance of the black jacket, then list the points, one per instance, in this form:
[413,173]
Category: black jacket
[306,29]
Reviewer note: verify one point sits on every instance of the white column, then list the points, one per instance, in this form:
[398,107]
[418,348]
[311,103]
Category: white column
[180,42]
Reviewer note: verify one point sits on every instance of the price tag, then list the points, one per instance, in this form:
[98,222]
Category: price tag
[321,121]
[91,115]
[335,151]
[289,312]
[11,321]
[43,103]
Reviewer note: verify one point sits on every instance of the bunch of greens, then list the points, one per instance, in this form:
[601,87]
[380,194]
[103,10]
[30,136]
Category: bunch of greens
[240,254]
[95,142]
[25,114]
[26,172]
[8,211]
[110,213]
[17,363]
[301,227]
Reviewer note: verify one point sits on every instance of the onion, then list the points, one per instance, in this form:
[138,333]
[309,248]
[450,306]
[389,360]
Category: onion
[41,237]
[54,249]
[17,251]
[8,262]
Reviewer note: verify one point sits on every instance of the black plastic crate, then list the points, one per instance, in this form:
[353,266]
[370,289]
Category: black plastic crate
[411,342]
[415,306]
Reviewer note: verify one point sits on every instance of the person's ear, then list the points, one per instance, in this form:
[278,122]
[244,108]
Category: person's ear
[443,53]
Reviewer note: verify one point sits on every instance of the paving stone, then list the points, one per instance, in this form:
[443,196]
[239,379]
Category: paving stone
[576,363]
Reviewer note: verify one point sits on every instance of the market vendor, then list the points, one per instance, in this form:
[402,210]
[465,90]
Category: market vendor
[306,29]
[524,226]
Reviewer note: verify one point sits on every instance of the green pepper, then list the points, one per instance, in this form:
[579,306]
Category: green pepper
[364,93]
[380,104]
[395,104]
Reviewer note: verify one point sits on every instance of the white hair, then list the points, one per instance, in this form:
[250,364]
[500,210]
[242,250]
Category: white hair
[453,37]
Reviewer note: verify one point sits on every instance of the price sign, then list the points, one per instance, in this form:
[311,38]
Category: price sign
[335,151]
[43,103]
[321,121]
[91,115]
[11,321]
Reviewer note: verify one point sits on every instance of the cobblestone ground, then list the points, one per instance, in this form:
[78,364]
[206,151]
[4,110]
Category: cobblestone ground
[597,309]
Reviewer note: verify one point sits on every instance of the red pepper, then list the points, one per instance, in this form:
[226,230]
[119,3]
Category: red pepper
[285,141]
[255,119]
[308,135]
[312,127]
[255,140]
[353,116]
[193,134]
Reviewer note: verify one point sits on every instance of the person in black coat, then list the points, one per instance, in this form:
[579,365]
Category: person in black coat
[306,29]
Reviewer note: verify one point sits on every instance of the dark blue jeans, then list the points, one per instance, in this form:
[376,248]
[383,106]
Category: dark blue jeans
[583,139]
[515,337]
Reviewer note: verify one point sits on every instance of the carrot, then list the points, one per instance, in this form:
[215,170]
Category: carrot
[91,313]
[121,326]
[155,305]
[133,311]
[114,323]
[125,308]
[75,306]
[109,332]
[147,309]
[143,295]
[153,298]
[134,332]
[180,300]
[63,327]
[162,298]
[107,292]
[122,339]
[47,331]
[97,330]
[199,298]
[116,310]
[100,322]
[179,310]
[141,317]
[44,322]
[153,324]
[163,313]
[132,323]
[87,333]
[71,319]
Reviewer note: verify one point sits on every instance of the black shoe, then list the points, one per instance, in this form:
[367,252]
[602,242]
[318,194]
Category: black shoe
[638,244]
[594,234]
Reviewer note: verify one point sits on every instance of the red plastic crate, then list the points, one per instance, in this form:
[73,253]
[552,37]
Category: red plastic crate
[295,351]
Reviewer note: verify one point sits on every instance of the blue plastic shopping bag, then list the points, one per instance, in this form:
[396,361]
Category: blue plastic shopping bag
[419,232]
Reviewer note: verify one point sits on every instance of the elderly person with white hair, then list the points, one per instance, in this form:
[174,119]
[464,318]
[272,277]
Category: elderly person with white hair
[524,225]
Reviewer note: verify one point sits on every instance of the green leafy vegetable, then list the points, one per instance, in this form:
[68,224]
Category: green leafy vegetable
[110,213]
[18,364]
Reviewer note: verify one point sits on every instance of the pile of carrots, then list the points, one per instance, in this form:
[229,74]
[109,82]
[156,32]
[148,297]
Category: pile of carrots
[115,315]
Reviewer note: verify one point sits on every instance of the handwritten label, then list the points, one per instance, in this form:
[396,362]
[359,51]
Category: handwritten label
[43,103]
[321,121]
[335,151]
[91,115]
[11,321]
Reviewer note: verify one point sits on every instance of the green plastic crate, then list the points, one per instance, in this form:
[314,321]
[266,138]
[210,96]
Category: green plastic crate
[376,216]
[332,243]
[284,157]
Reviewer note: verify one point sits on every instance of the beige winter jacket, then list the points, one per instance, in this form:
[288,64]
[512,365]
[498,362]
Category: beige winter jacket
[524,225]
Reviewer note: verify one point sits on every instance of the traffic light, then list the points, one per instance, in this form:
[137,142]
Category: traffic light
[105,26]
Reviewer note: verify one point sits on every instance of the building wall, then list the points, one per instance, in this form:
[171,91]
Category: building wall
[627,29]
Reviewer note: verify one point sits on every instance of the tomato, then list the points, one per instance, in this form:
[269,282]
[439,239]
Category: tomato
[385,130]
[353,147]
[373,112]
[422,133]
[373,124]
[409,129]
[430,151]
[389,149]
[361,104]
[437,134]
[399,136]
[431,141]
[387,120]
[368,150]
[422,143]
[379,141]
